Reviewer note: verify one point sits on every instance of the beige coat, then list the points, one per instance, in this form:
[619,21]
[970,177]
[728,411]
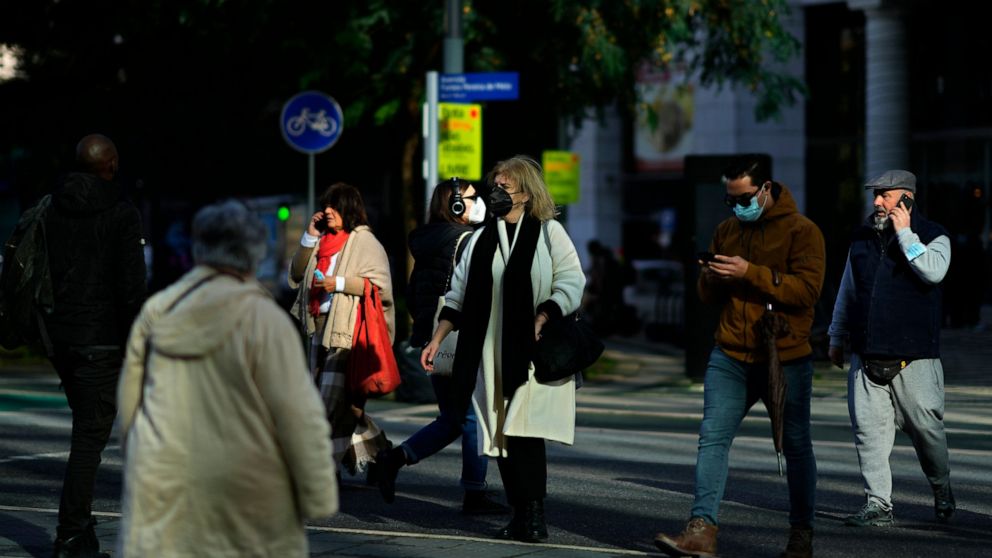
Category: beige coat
[227,450]
[362,257]
[537,410]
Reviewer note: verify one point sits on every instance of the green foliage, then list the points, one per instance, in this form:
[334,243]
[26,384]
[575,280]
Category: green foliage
[203,80]
[594,48]
[374,53]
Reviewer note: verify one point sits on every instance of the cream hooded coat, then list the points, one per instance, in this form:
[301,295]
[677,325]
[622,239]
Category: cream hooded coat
[226,448]
[537,410]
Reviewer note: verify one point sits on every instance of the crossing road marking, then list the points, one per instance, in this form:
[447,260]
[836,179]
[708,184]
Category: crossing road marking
[51,455]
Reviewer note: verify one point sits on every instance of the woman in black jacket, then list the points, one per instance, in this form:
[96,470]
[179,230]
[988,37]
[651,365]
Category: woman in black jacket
[455,207]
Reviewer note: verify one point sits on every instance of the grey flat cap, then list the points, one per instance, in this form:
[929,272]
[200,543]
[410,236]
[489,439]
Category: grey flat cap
[893,179]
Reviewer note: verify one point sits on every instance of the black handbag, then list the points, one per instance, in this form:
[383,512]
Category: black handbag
[567,346]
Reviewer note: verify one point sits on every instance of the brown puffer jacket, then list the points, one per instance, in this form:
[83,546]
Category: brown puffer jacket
[786,255]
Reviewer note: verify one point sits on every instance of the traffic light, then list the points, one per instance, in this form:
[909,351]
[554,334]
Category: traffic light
[283,213]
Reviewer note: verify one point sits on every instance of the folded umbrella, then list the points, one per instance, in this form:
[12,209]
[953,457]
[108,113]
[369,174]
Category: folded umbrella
[772,327]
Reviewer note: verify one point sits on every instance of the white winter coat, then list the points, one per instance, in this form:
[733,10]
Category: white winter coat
[536,410]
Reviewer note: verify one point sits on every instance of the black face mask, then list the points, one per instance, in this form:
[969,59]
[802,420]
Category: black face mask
[500,203]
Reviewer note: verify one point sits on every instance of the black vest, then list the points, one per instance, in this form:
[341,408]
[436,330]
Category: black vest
[895,313]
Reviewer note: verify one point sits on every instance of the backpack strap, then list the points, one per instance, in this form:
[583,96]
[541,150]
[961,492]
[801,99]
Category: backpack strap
[46,340]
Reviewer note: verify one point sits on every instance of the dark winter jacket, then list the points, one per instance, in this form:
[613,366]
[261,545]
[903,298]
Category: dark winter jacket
[96,254]
[432,246]
[896,314]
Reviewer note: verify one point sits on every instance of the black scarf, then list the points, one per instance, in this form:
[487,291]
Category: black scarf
[518,311]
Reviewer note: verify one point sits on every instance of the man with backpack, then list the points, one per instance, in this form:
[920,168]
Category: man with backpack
[94,242]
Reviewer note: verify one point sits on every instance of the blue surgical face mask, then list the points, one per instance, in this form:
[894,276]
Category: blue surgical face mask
[753,211]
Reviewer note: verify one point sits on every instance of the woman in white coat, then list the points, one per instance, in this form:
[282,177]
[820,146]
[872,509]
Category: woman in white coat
[519,271]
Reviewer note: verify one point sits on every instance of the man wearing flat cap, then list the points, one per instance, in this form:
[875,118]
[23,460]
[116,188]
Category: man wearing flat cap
[889,308]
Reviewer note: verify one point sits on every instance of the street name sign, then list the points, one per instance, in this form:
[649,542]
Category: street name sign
[483,86]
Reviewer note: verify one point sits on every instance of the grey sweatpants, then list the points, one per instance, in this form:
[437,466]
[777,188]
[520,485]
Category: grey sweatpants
[913,402]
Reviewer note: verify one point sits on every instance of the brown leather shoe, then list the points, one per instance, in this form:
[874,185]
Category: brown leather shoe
[800,543]
[697,539]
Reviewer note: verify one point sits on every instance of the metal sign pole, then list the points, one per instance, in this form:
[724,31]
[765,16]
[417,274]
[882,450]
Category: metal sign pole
[430,139]
[311,176]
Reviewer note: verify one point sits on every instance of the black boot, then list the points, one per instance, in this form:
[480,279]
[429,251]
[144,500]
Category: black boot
[943,503]
[83,545]
[388,466]
[513,529]
[534,529]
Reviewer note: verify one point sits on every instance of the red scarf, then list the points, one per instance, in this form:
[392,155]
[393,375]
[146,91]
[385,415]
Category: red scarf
[330,244]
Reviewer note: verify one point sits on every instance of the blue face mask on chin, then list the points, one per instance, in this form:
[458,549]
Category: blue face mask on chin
[753,211]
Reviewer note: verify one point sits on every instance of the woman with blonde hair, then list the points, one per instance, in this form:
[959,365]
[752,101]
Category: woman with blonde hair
[436,246]
[519,272]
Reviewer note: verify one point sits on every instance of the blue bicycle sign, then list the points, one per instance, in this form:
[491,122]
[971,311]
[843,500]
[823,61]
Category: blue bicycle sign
[311,122]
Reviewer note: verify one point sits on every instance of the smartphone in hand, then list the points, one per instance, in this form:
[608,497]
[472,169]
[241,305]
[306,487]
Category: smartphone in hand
[906,201]
[706,257]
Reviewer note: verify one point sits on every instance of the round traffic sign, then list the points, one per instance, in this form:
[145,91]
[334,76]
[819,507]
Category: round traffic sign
[311,122]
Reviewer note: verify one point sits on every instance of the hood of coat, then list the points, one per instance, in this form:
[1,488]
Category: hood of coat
[428,240]
[83,194]
[207,316]
[784,205]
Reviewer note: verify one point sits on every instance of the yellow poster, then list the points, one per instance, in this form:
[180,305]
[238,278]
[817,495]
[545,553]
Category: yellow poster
[460,144]
[561,173]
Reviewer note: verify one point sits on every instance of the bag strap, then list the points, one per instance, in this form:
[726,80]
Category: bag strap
[148,340]
[547,239]
[455,256]
[197,285]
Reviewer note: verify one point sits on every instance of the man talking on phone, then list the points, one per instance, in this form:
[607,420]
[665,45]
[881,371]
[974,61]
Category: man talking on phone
[889,307]
[766,254]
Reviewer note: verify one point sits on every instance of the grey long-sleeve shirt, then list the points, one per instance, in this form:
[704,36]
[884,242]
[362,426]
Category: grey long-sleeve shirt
[929,262]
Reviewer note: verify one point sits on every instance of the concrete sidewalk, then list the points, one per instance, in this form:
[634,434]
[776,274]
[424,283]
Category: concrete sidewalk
[29,532]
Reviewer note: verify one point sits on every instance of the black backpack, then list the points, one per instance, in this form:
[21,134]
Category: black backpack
[26,293]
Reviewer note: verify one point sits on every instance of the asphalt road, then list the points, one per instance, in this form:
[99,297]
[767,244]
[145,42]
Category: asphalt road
[628,476]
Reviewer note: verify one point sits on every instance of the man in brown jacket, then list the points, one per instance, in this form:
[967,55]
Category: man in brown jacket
[767,254]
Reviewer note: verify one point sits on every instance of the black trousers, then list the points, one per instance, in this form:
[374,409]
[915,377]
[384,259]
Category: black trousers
[89,377]
[524,470]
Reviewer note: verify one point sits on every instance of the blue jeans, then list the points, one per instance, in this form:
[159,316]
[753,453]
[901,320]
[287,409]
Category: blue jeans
[445,429]
[731,387]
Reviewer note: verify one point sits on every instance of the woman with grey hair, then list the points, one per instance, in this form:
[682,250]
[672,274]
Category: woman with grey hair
[227,235]
[214,378]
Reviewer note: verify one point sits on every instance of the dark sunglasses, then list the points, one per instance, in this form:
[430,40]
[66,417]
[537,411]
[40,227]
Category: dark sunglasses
[742,200]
